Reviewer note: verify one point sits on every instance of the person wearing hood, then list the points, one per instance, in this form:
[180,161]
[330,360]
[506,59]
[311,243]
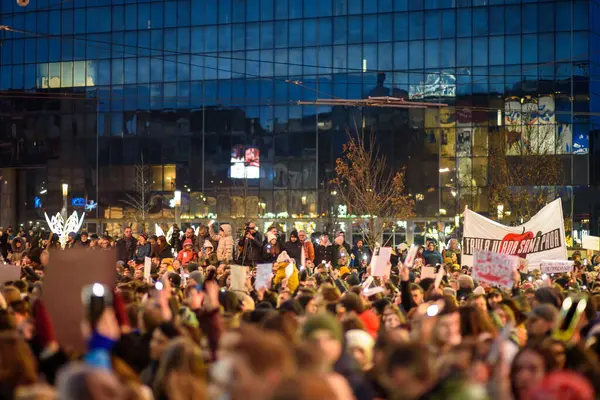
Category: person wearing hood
[281,265]
[17,247]
[432,255]
[225,242]
[272,248]
[359,253]
[294,248]
[207,255]
[324,251]
[187,255]
[340,254]
[189,234]
[143,248]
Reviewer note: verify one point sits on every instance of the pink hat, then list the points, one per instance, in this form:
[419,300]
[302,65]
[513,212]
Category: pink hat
[188,242]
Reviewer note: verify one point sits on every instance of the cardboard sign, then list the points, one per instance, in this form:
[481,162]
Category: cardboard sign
[370,288]
[556,266]
[264,274]
[427,272]
[591,243]
[147,268]
[411,255]
[382,265]
[9,273]
[523,265]
[65,277]
[495,269]
[238,278]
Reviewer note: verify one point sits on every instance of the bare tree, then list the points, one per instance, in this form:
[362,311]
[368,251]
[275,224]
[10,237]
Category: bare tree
[372,192]
[141,200]
[524,168]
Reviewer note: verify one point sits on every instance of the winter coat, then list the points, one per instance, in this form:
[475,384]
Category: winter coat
[225,243]
[294,250]
[309,250]
[270,253]
[432,257]
[142,251]
[293,280]
[17,253]
[186,257]
[251,249]
[126,249]
[359,254]
[165,252]
[324,253]
[196,243]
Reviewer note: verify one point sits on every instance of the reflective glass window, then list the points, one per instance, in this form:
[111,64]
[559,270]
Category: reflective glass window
[416,54]
[156,15]
[448,57]
[563,46]
[463,53]
[512,48]
[310,32]
[563,16]
[354,29]
[225,11]
[529,51]
[512,19]
[448,24]
[370,28]
[238,36]
[530,16]
[369,6]
[386,6]
[211,12]
[546,48]
[497,20]
[546,18]
[252,36]
[238,11]
[281,9]
[267,41]
[432,54]
[463,22]
[480,51]
[416,25]
[310,8]
[400,26]
[581,14]
[295,33]
[480,21]
[325,29]
[295,8]
[281,34]
[497,50]
[432,24]
[355,6]
[266,10]
[400,5]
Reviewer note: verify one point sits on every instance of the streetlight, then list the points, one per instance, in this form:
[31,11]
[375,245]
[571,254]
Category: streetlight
[65,193]
[177,201]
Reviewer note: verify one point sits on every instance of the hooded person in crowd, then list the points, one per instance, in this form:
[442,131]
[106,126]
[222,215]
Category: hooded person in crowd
[324,251]
[225,242]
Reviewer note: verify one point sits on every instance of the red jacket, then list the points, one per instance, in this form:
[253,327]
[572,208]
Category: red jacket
[186,256]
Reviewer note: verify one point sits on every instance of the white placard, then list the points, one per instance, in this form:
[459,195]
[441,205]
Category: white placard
[427,272]
[556,266]
[147,268]
[411,255]
[591,243]
[382,265]
[264,274]
[238,278]
[495,269]
[289,269]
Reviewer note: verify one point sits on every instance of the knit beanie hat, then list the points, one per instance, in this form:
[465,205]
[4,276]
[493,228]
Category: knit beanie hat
[362,340]
[271,236]
[323,321]
[207,243]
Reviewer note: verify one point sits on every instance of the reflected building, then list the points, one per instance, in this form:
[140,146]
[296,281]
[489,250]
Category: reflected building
[205,92]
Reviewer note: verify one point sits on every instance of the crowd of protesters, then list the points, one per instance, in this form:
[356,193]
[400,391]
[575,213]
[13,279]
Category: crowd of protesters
[327,330]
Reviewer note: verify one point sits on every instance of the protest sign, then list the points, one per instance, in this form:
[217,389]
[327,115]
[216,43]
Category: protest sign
[495,269]
[427,272]
[411,255]
[147,268]
[591,243]
[238,278]
[371,288]
[68,273]
[438,278]
[289,269]
[523,265]
[540,238]
[264,274]
[382,266]
[556,266]
[9,273]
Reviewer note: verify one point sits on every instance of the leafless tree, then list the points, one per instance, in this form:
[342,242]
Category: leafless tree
[373,192]
[140,200]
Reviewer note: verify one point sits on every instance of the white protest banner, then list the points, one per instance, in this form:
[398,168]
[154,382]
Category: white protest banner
[411,255]
[556,266]
[382,266]
[495,269]
[147,268]
[541,238]
[264,274]
[427,272]
[591,243]
[238,278]
[9,273]
[438,278]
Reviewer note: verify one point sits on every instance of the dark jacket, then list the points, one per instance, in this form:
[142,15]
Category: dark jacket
[251,249]
[165,252]
[126,249]
[432,257]
[270,253]
[348,368]
[294,250]
[358,256]
[324,253]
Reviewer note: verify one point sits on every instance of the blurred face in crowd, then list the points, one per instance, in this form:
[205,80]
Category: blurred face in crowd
[176,264]
[138,274]
[494,300]
[538,326]
[528,371]
[430,246]
[163,268]
[302,236]
[480,303]
[142,240]
[189,233]
[453,244]
[328,345]
[359,244]
[324,239]
[127,232]
[417,296]
[447,330]
[158,344]
[390,319]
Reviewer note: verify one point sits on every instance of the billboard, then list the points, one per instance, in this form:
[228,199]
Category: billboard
[245,162]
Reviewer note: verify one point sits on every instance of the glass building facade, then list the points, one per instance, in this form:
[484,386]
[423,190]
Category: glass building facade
[205,92]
